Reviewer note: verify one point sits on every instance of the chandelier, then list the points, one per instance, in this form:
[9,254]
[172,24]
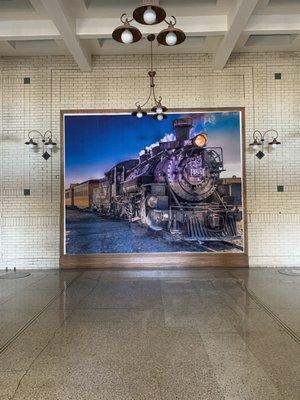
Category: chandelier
[158,109]
[149,13]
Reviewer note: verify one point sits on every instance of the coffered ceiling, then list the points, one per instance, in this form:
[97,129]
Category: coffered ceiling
[83,27]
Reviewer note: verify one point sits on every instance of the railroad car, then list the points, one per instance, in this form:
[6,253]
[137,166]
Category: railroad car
[69,195]
[83,194]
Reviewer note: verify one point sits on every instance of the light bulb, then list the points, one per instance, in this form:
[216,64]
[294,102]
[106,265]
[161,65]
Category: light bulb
[149,16]
[31,146]
[159,110]
[171,39]
[50,146]
[127,36]
[255,147]
[139,114]
[160,117]
[273,145]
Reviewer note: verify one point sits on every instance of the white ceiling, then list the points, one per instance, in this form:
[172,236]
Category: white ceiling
[83,27]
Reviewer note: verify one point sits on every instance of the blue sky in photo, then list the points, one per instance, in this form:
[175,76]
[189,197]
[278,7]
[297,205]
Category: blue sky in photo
[95,143]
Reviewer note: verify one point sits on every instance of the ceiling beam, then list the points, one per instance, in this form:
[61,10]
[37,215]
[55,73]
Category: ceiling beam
[65,24]
[82,6]
[273,24]
[242,40]
[237,19]
[6,46]
[296,42]
[102,28]
[28,30]
[12,43]
[38,7]
[86,3]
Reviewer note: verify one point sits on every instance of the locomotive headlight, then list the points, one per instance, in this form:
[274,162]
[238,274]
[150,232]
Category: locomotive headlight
[200,140]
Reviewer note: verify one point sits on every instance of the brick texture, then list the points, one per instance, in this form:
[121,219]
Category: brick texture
[30,224]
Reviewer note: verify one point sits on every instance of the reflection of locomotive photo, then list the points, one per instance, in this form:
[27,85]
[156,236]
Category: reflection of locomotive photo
[174,186]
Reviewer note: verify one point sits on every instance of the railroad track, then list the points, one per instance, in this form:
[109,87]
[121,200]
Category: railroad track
[215,246]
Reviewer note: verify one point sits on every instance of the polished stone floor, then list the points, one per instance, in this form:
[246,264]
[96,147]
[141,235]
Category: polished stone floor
[158,335]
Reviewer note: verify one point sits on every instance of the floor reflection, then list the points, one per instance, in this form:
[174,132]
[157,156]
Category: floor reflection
[191,334]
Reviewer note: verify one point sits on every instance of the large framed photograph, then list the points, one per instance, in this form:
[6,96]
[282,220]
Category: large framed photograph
[141,186]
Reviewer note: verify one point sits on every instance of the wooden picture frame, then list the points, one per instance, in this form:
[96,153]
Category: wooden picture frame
[153,260]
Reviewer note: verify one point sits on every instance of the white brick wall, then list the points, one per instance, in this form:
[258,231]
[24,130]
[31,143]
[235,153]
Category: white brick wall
[30,225]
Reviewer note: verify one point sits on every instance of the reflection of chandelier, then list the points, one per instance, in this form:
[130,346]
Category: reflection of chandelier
[158,108]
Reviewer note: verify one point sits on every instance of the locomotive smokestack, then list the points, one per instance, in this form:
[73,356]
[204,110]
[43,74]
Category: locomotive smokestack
[182,128]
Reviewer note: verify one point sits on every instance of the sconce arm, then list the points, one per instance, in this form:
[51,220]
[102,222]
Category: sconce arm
[43,136]
[50,134]
[272,130]
[30,136]
[256,133]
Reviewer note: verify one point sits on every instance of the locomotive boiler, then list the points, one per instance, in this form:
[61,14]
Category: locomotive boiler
[174,186]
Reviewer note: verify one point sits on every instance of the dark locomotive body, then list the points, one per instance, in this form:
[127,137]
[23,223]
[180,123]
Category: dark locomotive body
[174,186]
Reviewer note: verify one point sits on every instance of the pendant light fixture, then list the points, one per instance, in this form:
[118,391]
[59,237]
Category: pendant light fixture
[126,33]
[158,109]
[149,13]
[171,35]
[139,113]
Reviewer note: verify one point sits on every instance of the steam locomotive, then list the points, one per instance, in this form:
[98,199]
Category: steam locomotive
[174,186]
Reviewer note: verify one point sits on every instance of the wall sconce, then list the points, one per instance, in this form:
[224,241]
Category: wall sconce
[259,141]
[46,140]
